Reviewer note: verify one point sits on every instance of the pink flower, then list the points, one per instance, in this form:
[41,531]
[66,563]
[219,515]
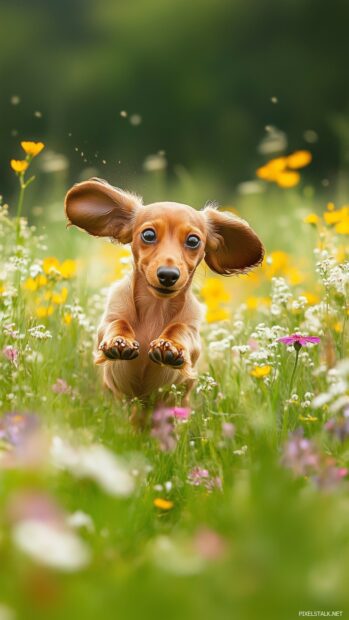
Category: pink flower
[163,429]
[61,387]
[181,413]
[298,340]
[201,477]
[11,353]
[228,430]
[209,544]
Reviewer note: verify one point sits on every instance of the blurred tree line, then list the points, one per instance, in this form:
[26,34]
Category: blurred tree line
[199,80]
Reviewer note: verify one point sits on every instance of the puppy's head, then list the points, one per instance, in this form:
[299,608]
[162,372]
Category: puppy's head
[168,239]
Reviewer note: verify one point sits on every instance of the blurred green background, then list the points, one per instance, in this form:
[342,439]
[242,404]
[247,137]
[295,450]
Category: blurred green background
[217,86]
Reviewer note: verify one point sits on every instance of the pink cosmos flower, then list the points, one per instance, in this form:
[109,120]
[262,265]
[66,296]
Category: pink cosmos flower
[298,340]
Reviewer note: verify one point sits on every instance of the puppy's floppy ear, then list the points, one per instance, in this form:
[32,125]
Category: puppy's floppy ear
[232,246]
[102,210]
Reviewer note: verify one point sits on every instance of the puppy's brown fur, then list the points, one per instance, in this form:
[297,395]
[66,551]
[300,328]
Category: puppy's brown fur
[149,337]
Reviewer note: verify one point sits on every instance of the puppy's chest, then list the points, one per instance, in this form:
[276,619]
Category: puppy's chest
[149,327]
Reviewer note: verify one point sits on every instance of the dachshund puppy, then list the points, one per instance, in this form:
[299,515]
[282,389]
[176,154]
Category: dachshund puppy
[149,334]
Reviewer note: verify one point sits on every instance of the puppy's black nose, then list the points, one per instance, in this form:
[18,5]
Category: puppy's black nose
[168,276]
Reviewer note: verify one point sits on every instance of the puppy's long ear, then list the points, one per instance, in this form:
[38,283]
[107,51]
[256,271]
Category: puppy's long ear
[232,246]
[102,210]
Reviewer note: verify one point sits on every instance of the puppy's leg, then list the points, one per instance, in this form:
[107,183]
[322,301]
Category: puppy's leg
[116,342]
[177,346]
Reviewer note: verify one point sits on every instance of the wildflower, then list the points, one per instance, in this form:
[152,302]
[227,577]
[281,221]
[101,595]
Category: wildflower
[339,427]
[51,544]
[15,427]
[32,148]
[67,269]
[299,159]
[298,340]
[80,519]
[300,455]
[288,179]
[50,265]
[44,311]
[61,387]
[95,462]
[32,284]
[181,413]
[201,477]
[67,318]
[163,429]
[217,314]
[11,353]
[19,166]
[259,372]
[163,504]
[312,218]
[209,544]
[228,430]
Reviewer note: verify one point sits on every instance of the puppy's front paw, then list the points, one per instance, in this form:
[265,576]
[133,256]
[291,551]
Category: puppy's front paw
[167,352]
[118,348]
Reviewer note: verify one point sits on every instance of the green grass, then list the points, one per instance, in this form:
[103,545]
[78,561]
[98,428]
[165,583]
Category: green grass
[268,544]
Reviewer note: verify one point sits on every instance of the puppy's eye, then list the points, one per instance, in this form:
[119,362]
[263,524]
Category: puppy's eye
[192,241]
[148,235]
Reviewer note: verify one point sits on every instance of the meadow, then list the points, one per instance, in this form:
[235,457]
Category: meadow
[236,507]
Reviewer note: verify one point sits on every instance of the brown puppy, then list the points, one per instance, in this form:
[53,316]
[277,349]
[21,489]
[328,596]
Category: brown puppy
[149,334]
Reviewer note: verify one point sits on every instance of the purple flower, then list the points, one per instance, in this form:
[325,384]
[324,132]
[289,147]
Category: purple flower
[339,427]
[11,353]
[300,455]
[298,340]
[163,429]
[15,427]
[201,477]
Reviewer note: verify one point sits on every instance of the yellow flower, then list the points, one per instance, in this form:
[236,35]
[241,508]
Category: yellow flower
[214,288]
[44,311]
[299,159]
[67,318]
[337,216]
[342,228]
[32,284]
[68,268]
[308,418]
[272,169]
[2,288]
[288,179]
[60,297]
[312,218]
[32,148]
[294,276]
[163,504]
[253,303]
[19,165]
[330,206]
[217,314]
[50,264]
[260,371]
[311,298]
[338,327]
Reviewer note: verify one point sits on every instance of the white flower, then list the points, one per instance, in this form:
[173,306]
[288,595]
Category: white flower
[51,545]
[96,462]
[80,519]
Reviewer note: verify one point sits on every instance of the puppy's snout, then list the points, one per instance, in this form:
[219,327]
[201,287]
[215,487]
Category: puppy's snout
[168,276]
